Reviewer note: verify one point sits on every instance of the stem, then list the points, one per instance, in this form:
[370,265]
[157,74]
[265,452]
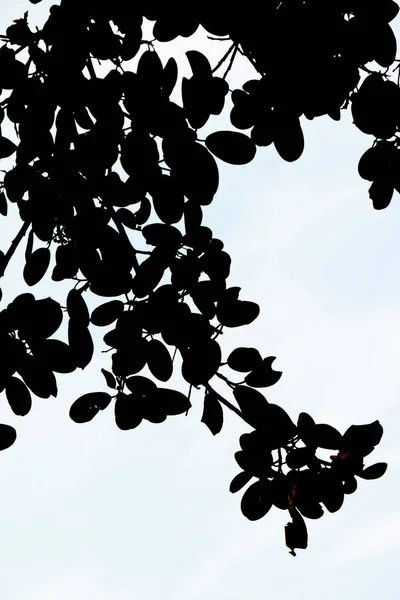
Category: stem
[226,403]
[14,245]
[223,59]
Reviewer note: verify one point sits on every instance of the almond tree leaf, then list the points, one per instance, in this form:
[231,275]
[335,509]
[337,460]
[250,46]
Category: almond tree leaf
[213,416]
[264,375]
[7,147]
[3,204]
[244,360]
[374,471]
[8,435]
[240,481]
[296,535]
[110,379]
[107,313]
[231,146]
[328,437]
[86,407]
[175,402]
[159,360]
[38,377]
[57,355]
[36,266]
[253,404]
[81,343]
[77,309]
[257,500]
[18,396]
[128,412]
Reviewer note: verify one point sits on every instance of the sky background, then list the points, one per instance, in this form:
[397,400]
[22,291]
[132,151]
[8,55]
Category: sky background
[93,513]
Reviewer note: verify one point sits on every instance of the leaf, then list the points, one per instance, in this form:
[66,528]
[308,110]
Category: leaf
[239,481]
[107,313]
[110,379]
[128,412]
[175,402]
[36,266]
[244,359]
[18,396]
[254,406]
[328,437]
[3,204]
[237,313]
[201,362]
[81,343]
[362,438]
[8,435]
[57,355]
[213,415]
[159,360]
[7,147]
[231,146]
[264,375]
[77,309]
[374,471]
[257,500]
[288,136]
[38,377]
[296,535]
[381,193]
[86,407]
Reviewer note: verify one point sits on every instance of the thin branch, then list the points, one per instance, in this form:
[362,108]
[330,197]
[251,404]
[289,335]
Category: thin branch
[14,245]
[230,63]
[223,59]
[227,403]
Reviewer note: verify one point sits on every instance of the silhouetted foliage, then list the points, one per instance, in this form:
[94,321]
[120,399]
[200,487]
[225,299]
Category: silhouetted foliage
[95,159]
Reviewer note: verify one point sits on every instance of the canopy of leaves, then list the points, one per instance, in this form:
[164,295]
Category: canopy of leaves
[111,178]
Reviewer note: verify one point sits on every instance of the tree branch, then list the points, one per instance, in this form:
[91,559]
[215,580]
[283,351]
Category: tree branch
[226,403]
[14,245]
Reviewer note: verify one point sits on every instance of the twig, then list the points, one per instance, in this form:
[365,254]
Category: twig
[223,59]
[226,403]
[14,245]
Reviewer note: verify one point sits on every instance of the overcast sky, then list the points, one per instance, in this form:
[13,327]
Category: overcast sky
[93,513]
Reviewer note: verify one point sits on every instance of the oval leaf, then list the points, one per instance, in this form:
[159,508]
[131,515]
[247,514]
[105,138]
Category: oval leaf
[231,146]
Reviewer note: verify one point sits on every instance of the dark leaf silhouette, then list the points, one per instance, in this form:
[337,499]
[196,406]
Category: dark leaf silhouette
[36,266]
[175,403]
[107,313]
[252,404]
[232,147]
[110,379]
[57,355]
[244,359]
[239,481]
[159,360]
[77,308]
[263,375]
[296,535]
[128,411]
[86,407]
[18,396]
[38,377]
[374,471]
[213,415]
[257,500]
[81,343]
[8,435]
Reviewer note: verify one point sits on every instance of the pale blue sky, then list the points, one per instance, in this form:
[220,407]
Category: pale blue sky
[93,513]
